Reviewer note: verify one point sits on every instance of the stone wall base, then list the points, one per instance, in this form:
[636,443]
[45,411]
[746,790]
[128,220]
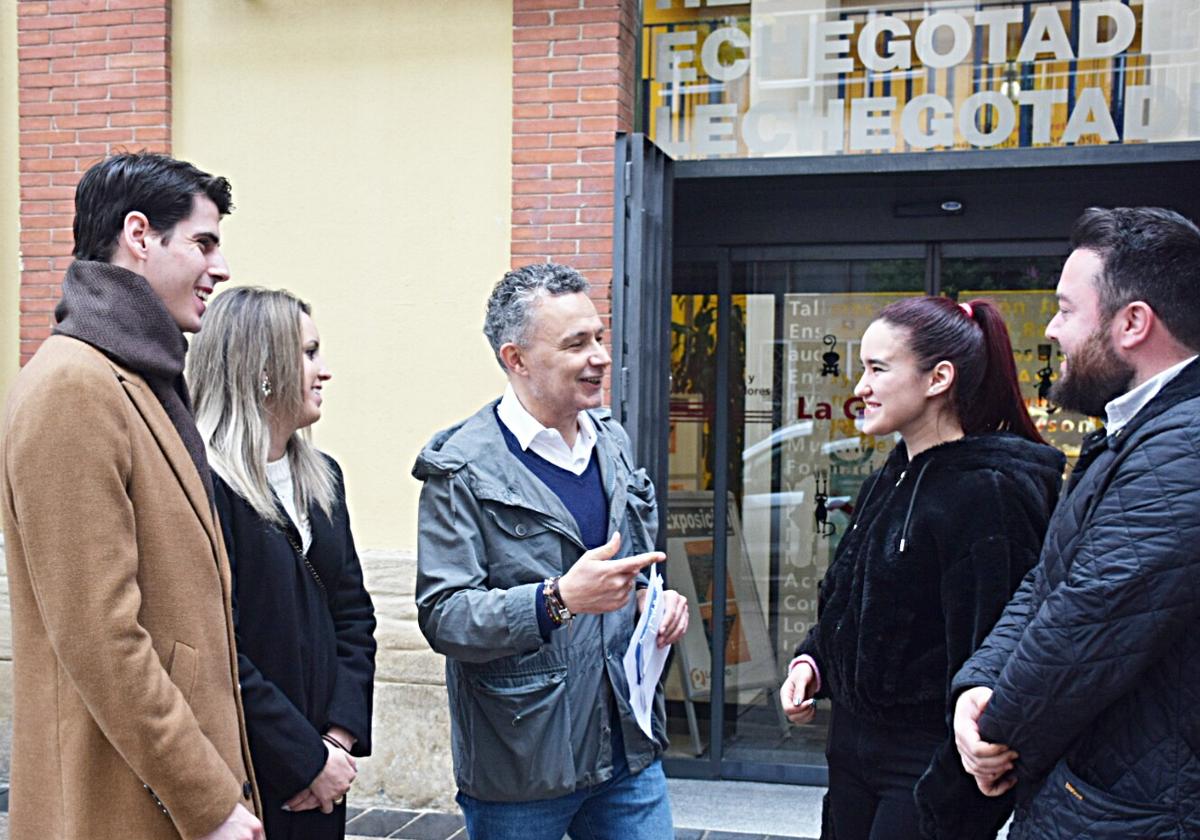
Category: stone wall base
[411,765]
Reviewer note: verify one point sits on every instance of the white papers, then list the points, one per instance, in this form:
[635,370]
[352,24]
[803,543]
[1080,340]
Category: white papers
[644,660]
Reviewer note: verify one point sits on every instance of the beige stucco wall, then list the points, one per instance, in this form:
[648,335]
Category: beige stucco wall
[9,199]
[369,148]
[368,144]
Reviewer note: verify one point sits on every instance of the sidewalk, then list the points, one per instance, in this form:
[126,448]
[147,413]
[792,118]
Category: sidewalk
[702,810]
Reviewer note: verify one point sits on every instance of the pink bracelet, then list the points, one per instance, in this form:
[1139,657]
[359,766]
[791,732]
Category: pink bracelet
[805,659]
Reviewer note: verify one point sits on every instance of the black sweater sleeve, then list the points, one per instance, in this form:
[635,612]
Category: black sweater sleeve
[975,590]
[811,644]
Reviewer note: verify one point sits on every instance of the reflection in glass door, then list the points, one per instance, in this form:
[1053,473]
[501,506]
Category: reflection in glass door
[763,439]
[1022,285]
[801,458]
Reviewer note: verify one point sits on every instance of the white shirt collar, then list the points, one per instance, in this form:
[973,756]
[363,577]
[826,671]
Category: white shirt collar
[544,442]
[1121,410]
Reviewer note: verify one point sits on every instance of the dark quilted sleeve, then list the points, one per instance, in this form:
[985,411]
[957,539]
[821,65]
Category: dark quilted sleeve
[1133,587]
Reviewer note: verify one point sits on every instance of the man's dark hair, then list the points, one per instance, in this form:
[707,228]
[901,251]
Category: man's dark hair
[510,307]
[157,185]
[1149,254]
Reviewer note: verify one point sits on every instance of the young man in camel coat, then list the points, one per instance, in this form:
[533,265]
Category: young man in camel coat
[127,720]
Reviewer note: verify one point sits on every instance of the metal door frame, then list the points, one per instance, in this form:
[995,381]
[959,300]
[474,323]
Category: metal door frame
[641,297]
[643,257]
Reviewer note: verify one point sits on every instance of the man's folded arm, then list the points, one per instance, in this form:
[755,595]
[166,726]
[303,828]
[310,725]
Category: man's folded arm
[1122,604]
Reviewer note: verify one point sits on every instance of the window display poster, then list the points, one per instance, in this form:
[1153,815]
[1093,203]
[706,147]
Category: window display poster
[749,658]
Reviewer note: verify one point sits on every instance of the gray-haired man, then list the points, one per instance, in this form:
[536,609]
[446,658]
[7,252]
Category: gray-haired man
[534,527]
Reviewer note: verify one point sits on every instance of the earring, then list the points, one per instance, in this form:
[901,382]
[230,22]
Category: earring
[265,387]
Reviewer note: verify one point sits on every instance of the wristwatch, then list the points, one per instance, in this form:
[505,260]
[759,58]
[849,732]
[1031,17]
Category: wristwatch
[558,611]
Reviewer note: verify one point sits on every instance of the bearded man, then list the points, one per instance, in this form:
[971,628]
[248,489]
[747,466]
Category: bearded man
[1086,695]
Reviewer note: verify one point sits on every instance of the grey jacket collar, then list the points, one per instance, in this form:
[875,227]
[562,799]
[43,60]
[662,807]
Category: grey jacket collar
[476,448]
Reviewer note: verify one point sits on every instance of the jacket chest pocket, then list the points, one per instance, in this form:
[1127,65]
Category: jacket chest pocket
[642,513]
[521,548]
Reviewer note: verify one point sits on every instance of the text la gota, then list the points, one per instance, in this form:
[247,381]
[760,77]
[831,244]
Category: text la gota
[944,39]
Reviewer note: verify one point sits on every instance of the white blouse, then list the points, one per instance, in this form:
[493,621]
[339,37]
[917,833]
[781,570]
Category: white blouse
[279,475]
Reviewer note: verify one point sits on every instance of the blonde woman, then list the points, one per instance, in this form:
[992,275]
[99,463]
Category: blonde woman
[305,623]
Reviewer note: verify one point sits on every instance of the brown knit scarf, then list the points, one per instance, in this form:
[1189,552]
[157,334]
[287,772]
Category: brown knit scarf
[117,312]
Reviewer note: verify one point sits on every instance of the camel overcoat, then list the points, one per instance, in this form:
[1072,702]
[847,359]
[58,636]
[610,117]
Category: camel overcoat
[127,722]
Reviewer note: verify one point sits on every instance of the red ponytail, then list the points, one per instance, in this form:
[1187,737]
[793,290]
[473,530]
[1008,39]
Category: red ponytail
[972,337]
[997,404]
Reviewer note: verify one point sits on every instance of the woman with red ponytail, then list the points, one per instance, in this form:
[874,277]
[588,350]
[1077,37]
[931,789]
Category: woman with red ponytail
[940,539]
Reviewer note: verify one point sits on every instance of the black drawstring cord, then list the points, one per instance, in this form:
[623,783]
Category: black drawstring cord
[861,506]
[911,504]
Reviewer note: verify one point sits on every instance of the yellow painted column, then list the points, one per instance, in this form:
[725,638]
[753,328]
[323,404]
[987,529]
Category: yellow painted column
[369,148]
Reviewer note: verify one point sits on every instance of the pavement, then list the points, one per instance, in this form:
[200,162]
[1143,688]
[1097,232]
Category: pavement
[703,810]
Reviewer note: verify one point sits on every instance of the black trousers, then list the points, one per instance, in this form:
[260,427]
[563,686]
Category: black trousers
[873,769]
[302,825]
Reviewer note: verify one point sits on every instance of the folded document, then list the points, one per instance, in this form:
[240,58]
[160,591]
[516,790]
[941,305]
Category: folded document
[644,660]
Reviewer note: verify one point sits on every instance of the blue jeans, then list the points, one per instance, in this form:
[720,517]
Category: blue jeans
[626,807]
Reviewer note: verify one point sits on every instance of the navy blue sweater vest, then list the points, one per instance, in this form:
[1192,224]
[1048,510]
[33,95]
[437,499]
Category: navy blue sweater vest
[582,495]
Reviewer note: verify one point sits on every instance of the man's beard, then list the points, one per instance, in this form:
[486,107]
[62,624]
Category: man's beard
[1095,376]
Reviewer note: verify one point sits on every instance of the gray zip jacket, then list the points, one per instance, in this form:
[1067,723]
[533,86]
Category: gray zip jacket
[529,719]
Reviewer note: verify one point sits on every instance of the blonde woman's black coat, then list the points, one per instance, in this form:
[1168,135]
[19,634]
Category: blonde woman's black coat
[306,649]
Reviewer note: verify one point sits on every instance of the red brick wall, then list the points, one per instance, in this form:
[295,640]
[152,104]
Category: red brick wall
[94,76]
[573,89]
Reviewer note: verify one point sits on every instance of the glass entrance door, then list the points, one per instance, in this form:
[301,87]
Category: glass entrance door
[763,439]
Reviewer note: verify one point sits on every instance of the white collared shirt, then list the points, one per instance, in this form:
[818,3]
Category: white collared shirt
[1121,410]
[547,443]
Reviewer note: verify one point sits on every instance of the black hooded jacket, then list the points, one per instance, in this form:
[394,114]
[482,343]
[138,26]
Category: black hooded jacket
[935,549]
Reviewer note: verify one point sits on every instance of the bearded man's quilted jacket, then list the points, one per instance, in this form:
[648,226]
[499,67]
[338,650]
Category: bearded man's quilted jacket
[1095,663]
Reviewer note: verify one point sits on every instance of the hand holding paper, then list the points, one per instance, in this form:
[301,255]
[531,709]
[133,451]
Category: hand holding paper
[674,621]
[663,621]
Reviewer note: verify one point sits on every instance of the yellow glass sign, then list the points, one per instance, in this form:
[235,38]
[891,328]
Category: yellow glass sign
[788,77]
